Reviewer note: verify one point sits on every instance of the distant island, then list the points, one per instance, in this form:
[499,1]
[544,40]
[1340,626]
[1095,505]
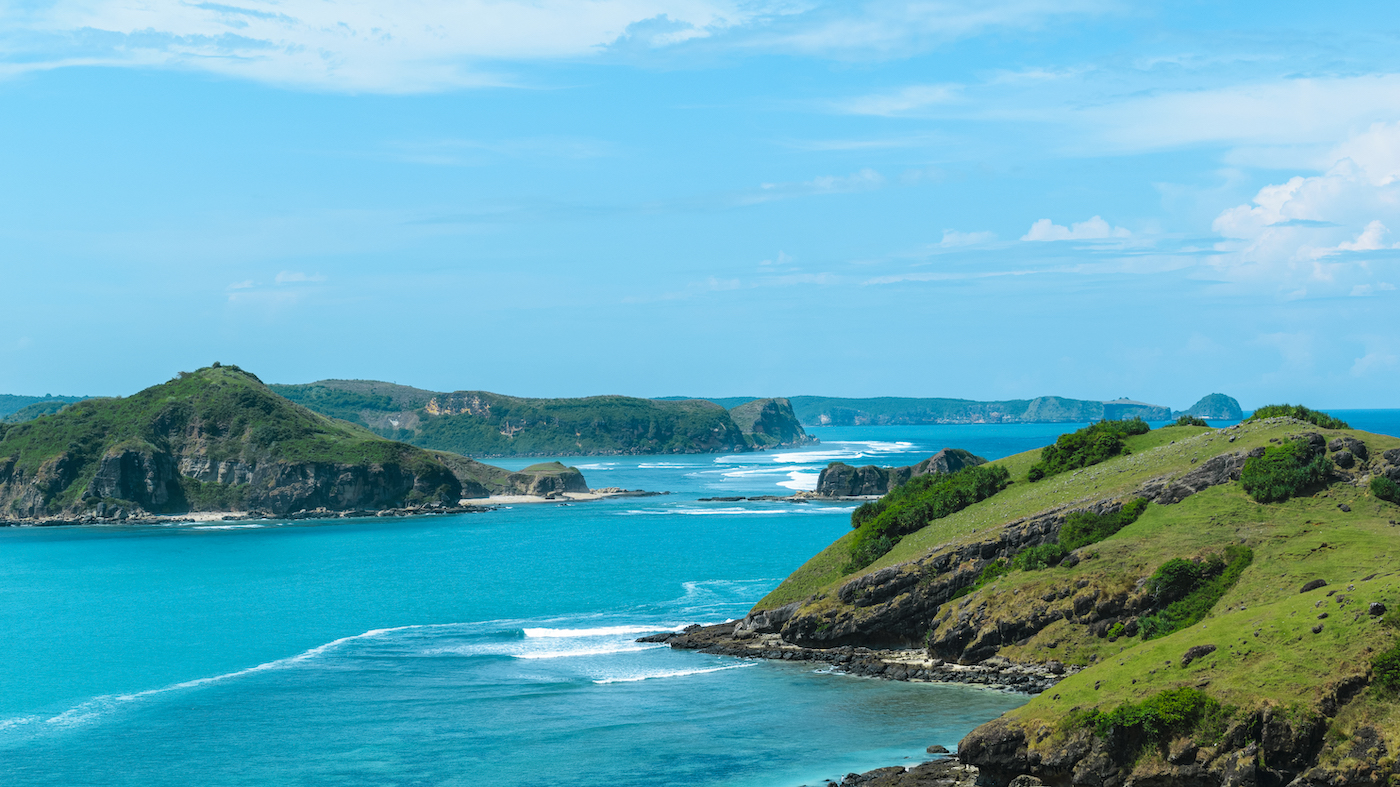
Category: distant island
[886,410]
[480,423]
[219,440]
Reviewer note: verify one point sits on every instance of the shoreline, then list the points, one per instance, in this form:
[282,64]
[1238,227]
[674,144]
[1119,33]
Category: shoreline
[476,505]
[900,664]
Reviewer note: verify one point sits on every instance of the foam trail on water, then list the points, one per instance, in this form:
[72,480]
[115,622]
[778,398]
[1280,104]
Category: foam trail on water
[672,674]
[98,706]
[599,651]
[602,631]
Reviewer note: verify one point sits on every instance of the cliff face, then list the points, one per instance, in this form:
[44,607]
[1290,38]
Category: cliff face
[833,411]
[216,439]
[842,480]
[481,423]
[768,423]
[1269,673]
[542,480]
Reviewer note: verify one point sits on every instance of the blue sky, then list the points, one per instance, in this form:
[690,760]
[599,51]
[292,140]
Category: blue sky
[706,197]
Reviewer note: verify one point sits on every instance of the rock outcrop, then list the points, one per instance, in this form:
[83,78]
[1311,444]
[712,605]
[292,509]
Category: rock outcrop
[770,423]
[842,480]
[1215,406]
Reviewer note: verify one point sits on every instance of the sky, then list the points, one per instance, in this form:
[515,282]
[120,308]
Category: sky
[985,200]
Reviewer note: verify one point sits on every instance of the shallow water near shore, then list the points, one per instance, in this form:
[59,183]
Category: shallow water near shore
[493,648]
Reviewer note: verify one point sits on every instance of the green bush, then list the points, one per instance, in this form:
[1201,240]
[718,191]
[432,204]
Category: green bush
[1083,528]
[913,505]
[1385,670]
[1284,471]
[1385,489]
[1300,412]
[1039,557]
[1159,718]
[1084,447]
[991,572]
[1191,420]
[1188,591]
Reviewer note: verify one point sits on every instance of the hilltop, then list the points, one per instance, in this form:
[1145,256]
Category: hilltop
[480,423]
[218,439]
[1200,606]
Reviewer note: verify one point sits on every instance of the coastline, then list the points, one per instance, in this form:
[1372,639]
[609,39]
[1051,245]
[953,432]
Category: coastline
[475,505]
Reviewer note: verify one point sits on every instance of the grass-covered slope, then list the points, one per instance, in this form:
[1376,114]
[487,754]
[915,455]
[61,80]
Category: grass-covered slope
[214,439]
[480,423]
[1200,590]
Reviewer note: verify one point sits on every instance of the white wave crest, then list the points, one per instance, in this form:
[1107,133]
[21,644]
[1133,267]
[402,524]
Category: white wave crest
[671,674]
[605,650]
[799,480]
[601,631]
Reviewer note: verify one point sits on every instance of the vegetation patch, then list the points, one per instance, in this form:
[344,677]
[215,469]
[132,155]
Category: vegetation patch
[1187,590]
[909,507]
[1385,489]
[1087,446]
[1190,420]
[1300,412]
[1158,718]
[1284,471]
[1083,528]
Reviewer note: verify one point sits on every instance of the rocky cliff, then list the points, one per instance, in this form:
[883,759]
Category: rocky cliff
[770,423]
[216,440]
[842,480]
[480,423]
[1205,639]
[1216,407]
[547,479]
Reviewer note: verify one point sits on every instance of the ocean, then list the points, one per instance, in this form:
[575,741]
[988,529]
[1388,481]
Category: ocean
[492,648]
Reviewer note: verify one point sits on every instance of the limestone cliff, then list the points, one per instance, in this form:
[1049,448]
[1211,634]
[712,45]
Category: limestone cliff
[770,423]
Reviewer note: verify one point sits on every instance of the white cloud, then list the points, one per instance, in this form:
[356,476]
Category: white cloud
[1093,229]
[241,285]
[954,238]
[784,259]
[292,277]
[428,45]
[1324,233]
[407,46]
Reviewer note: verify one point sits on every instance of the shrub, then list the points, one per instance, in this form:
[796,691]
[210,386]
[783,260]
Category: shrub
[1039,557]
[1083,528]
[1188,591]
[1084,447]
[1300,412]
[1385,489]
[913,505]
[1385,669]
[1157,719]
[1284,471]
[1191,420]
[993,570]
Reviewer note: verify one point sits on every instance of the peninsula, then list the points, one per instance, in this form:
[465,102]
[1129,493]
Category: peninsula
[219,440]
[480,423]
[1190,605]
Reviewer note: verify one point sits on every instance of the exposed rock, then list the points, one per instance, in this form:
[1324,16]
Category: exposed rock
[1196,652]
[1344,459]
[1351,445]
[843,480]
[1313,585]
[770,423]
[1376,609]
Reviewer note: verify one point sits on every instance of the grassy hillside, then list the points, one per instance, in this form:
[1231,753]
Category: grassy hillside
[11,404]
[197,441]
[1263,649]
[480,423]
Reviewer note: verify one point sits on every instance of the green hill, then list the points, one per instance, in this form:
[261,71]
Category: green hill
[10,404]
[1205,637]
[837,411]
[480,423]
[218,439]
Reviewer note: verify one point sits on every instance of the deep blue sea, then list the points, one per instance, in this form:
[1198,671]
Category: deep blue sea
[493,648]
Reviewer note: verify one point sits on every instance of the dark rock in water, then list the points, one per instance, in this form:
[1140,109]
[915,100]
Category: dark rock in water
[1195,653]
[936,749]
[843,480]
[1313,585]
[665,636]
[937,773]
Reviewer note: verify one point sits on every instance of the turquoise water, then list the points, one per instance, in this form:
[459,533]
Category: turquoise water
[490,648]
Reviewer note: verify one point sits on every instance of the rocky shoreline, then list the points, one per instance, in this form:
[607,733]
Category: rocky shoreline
[908,664]
[940,772]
